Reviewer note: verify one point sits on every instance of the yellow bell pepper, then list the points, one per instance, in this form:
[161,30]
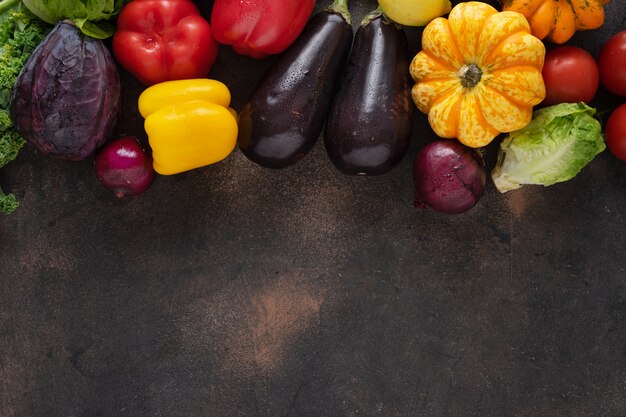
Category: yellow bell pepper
[189,124]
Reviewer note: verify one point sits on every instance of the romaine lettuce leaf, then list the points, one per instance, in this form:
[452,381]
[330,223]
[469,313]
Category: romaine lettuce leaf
[557,144]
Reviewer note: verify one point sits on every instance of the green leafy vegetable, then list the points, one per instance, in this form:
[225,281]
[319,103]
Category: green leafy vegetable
[559,142]
[90,16]
[10,144]
[20,33]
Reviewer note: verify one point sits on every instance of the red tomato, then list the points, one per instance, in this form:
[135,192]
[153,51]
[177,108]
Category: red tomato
[571,75]
[615,132]
[612,62]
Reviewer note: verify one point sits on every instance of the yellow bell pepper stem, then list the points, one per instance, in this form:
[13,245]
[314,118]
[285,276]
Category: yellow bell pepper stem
[188,123]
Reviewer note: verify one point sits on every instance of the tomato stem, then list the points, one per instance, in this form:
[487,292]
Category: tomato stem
[470,75]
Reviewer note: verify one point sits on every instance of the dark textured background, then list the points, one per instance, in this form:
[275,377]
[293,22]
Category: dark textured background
[237,291]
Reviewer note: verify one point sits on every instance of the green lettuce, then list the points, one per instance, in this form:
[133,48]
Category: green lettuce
[557,144]
[90,16]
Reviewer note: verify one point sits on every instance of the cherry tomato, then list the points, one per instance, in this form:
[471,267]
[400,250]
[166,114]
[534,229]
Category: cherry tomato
[615,132]
[612,62]
[571,75]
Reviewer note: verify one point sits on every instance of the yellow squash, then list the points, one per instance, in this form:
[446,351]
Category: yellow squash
[478,73]
[558,20]
[189,124]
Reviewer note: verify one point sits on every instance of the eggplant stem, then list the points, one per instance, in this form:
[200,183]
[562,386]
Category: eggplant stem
[371,16]
[7,4]
[341,7]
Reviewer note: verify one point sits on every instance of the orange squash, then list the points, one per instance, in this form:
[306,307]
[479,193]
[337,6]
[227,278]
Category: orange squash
[558,20]
[478,73]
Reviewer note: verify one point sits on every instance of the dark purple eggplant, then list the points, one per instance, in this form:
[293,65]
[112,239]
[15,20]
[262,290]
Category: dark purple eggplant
[286,112]
[66,99]
[369,126]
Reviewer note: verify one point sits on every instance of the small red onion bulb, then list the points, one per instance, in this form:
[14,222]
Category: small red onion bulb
[124,167]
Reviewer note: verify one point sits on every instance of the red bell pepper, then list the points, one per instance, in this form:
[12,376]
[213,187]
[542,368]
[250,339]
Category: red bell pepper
[164,40]
[259,28]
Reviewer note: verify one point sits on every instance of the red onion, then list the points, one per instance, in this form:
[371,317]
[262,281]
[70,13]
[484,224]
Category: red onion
[449,177]
[124,167]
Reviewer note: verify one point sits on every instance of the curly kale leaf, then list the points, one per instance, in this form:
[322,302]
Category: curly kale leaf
[20,33]
[10,145]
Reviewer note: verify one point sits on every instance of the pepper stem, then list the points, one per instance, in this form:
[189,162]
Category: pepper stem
[341,7]
[470,75]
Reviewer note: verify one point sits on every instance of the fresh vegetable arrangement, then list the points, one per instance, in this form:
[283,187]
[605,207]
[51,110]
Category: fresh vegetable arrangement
[481,73]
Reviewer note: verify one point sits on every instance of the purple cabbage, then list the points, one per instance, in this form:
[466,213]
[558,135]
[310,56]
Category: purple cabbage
[66,100]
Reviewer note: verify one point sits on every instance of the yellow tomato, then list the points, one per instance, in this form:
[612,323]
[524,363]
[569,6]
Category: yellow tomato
[414,12]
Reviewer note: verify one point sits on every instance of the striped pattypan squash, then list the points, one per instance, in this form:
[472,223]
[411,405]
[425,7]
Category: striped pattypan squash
[558,20]
[478,73]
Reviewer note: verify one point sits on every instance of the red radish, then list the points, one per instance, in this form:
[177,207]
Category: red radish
[124,167]
[449,177]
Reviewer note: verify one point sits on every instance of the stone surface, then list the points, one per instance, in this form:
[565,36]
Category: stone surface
[237,291]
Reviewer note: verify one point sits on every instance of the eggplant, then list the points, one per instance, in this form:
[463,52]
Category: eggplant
[67,98]
[286,112]
[369,127]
